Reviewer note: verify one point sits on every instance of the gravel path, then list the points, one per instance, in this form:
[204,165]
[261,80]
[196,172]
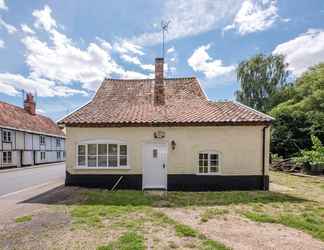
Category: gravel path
[238,233]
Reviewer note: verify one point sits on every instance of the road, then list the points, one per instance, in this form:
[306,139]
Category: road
[21,179]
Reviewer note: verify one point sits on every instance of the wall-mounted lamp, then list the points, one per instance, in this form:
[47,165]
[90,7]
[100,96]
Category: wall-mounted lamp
[173,144]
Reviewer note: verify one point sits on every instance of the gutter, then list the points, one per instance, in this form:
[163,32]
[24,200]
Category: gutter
[263,158]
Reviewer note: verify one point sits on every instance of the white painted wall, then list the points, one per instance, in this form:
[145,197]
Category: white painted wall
[240,147]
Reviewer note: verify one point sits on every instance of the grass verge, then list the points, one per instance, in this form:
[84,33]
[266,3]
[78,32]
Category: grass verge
[311,222]
[23,219]
[128,241]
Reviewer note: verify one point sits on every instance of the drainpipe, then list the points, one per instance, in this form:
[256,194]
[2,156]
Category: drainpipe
[263,158]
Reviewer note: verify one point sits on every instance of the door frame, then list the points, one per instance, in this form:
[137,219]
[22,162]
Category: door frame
[166,144]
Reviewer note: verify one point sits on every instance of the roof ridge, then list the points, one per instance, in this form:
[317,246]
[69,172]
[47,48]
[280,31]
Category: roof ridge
[22,109]
[150,79]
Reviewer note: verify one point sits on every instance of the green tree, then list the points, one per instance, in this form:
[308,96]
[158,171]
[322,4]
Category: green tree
[261,77]
[301,115]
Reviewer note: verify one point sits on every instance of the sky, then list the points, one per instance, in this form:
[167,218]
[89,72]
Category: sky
[62,50]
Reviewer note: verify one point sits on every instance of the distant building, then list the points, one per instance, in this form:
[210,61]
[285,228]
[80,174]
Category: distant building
[28,138]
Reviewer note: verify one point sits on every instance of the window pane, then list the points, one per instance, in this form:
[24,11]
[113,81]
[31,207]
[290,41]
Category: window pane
[123,150]
[205,169]
[214,163]
[205,156]
[102,149]
[92,149]
[123,160]
[112,149]
[201,156]
[205,162]
[4,156]
[112,161]
[81,150]
[102,161]
[81,160]
[201,163]
[201,169]
[214,169]
[155,153]
[92,161]
[213,156]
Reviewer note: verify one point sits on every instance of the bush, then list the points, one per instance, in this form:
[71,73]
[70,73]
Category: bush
[313,157]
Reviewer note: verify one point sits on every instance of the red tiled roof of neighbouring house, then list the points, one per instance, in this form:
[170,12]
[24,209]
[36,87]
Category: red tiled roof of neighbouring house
[130,103]
[18,118]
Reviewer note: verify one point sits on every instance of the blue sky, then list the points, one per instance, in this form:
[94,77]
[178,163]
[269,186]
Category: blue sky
[63,49]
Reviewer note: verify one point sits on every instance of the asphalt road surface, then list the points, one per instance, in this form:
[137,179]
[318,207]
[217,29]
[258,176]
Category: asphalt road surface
[17,180]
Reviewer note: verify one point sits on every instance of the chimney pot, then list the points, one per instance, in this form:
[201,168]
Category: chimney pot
[29,104]
[159,95]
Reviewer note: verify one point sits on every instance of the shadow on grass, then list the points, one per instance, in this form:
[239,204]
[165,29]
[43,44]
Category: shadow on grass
[59,195]
[81,196]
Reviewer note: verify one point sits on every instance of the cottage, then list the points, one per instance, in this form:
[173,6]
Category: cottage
[164,133]
[28,138]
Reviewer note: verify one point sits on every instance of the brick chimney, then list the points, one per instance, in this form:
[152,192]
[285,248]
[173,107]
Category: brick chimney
[29,104]
[159,95]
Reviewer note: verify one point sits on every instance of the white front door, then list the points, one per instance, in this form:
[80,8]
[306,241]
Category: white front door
[154,165]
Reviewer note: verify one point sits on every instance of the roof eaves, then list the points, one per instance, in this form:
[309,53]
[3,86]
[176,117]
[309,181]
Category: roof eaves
[254,110]
[32,131]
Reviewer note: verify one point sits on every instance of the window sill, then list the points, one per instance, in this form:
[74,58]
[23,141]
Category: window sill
[104,168]
[208,174]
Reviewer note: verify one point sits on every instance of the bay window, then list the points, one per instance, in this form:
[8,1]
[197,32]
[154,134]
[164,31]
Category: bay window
[102,155]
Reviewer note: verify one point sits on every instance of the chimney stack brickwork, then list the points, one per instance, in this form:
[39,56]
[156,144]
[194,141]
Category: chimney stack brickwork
[159,91]
[29,104]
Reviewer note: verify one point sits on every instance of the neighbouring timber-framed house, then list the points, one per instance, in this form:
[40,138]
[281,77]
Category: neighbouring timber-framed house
[164,133]
[28,138]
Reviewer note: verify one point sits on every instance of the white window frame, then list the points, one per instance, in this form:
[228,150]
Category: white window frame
[97,142]
[42,140]
[7,153]
[209,152]
[7,136]
[43,158]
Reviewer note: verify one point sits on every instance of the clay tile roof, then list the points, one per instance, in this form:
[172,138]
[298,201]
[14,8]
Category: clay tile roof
[15,117]
[130,103]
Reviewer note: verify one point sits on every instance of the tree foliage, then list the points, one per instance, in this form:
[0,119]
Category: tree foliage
[300,115]
[261,77]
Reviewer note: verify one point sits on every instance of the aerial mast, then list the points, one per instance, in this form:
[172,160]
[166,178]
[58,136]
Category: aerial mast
[164,26]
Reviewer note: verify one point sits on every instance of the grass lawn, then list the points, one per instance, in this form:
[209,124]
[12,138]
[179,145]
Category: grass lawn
[293,209]
[134,220]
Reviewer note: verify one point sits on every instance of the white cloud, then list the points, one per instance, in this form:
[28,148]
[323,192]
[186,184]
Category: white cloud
[10,83]
[8,89]
[3,5]
[25,28]
[304,51]
[56,63]
[44,18]
[202,62]
[60,60]
[41,111]
[125,47]
[10,28]
[254,16]
[104,44]
[135,60]
[191,17]
[171,50]
[2,44]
